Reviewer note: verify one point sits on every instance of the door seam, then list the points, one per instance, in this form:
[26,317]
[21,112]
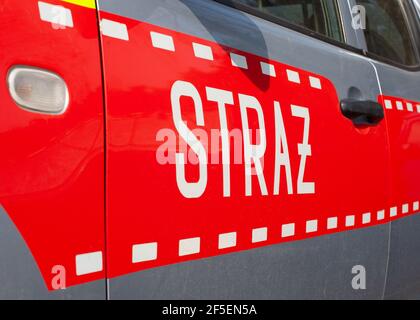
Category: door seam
[105,141]
[390,189]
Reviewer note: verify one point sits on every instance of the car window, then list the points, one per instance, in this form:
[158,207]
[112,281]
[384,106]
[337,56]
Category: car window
[321,16]
[387,32]
[417,5]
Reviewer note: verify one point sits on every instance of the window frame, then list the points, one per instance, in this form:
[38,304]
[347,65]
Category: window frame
[407,7]
[409,15]
[413,17]
[292,26]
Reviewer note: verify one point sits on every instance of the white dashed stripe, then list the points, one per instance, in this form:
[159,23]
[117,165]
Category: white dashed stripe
[238,61]
[259,235]
[92,262]
[381,215]
[332,223]
[393,212]
[288,230]
[293,76]
[114,29]
[366,218]
[315,82]
[54,14]
[227,240]
[388,104]
[410,107]
[189,246]
[311,226]
[144,252]
[350,221]
[268,69]
[202,51]
[400,105]
[87,263]
[162,41]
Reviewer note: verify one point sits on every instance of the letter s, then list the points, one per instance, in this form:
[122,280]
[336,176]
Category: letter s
[189,189]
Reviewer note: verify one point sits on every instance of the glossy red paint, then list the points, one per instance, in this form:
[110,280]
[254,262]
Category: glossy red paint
[403,119]
[350,166]
[52,167]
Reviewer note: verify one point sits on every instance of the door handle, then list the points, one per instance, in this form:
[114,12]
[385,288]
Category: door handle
[362,113]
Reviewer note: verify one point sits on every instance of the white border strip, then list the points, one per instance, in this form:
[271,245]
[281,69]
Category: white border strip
[54,14]
[315,82]
[114,29]
[268,69]
[144,252]
[189,246]
[87,263]
[202,51]
[293,76]
[227,240]
[388,104]
[238,61]
[162,41]
[259,235]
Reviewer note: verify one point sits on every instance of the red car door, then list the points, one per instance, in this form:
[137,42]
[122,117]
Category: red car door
[52,165]
[213,149]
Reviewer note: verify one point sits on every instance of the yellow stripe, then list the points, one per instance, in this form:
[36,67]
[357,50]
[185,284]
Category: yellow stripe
[84,3]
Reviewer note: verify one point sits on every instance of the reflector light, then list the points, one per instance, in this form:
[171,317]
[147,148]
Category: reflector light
[38,90]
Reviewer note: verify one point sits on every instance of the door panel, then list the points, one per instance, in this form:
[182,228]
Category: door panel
[52,166]
[165,64]
[400,88]
[401,98]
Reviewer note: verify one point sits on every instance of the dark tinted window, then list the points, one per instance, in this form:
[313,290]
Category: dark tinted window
[417,5]
[320,16]
[387,33]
